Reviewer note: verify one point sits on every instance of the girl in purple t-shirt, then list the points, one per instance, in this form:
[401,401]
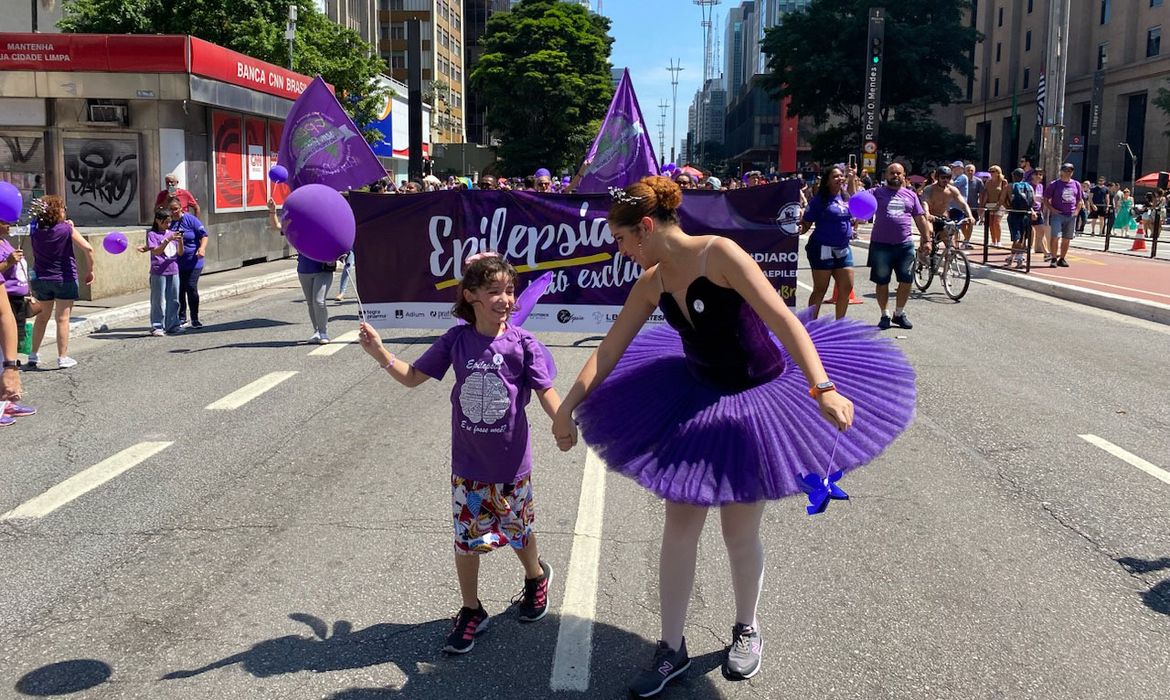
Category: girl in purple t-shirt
[164,246]
[497,366]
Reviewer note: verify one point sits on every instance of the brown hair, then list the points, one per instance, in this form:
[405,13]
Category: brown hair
[53,212]
[655,196]
[477,275]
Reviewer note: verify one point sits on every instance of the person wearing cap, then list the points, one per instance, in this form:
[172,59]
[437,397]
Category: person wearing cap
[1063,198]
[713,183]
[944,198]
[542,180]
[186,200]
[962,182]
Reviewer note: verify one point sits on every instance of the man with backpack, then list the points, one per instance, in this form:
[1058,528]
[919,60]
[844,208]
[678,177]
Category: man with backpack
[1020,216]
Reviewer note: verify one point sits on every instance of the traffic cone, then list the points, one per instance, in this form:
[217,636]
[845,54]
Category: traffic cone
[1139,243]
[852,297]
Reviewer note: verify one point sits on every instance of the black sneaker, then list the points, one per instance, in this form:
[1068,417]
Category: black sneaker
[901,321]
[196,324]
[533,600]
[1053,262]
[745,654]
[884,324]
[668,664]
[1062,262]
[468,624]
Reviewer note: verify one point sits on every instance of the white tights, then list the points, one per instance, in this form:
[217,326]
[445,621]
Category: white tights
[680,546]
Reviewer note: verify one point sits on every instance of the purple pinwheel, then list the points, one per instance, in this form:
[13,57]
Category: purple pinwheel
[821,490]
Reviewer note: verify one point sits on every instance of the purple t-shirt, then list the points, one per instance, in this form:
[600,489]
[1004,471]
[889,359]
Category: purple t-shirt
[494,379]
[168,262]
[53,253]
[896,209]
[1063,196]
[193,232]
[15,277]
[831,221]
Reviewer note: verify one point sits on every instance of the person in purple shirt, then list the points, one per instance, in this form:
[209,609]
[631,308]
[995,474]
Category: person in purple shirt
[55,268]
[1063,198]
[190,259]
[164,246]
[497,368]
[891,245]
[828,251]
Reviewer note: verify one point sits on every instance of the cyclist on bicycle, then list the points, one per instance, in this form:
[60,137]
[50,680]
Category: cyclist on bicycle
[942,197]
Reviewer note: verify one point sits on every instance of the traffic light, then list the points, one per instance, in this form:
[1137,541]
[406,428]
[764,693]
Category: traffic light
[875,51]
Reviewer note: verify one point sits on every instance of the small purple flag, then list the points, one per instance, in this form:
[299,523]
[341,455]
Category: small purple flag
[622,153]
[321,144]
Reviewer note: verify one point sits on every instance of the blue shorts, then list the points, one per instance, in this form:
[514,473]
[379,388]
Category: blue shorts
[886,259]
[823,257]
[48,290]
[1063,225]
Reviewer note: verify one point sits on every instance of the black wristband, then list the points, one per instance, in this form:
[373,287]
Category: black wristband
[11,364]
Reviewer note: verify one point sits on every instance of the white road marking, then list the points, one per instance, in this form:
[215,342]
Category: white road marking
[1147,467]
[336,345]
[1103,284]
[575,637]
[245,394]
[86,481]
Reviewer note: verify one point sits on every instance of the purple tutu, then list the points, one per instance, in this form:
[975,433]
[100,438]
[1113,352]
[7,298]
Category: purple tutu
[692,442]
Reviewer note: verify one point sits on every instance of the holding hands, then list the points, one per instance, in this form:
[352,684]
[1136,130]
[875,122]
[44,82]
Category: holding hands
[564,429]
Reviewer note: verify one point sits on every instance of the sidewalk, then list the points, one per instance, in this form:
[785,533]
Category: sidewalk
[100,314]
[1125,284]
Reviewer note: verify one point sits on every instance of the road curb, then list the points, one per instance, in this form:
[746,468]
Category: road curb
[102,320]
[1138,308]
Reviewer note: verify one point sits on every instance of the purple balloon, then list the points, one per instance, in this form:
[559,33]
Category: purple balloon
[863,205]
[278,173]
[319,223]
[115,243]
[669,168]
[10,202]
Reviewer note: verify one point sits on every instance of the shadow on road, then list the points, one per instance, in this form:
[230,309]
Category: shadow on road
[64,678]
[1158,597]
[510,660]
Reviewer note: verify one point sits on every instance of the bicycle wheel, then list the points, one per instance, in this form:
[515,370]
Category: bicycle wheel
[923,273]
[956,274]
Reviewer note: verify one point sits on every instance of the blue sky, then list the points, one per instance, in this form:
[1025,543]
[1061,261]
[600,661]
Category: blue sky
[647,34]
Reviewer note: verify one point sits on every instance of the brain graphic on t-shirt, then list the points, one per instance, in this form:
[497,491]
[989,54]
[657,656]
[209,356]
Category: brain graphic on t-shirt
[484,398]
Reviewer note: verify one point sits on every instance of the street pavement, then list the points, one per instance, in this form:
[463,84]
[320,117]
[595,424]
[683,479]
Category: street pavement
[298,545]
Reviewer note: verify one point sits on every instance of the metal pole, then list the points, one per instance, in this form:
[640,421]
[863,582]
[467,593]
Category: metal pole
[290,32]
[674,71]
[1052,135]
[35,20]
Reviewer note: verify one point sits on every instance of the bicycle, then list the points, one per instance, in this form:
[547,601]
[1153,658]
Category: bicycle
[951,265]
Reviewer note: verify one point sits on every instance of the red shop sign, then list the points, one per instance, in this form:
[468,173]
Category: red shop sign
[114,53]
[222,64]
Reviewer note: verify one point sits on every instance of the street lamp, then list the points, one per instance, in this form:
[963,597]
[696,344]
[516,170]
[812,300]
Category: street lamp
[1132,165]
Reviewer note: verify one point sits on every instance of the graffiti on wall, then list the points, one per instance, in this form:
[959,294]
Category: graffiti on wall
[101,180]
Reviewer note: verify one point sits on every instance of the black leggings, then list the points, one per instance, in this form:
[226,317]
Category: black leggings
[189,293]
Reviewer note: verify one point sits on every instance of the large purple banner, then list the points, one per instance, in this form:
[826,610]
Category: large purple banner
[410,249]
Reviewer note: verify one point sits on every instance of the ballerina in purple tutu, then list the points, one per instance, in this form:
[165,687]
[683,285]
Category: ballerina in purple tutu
[730,405]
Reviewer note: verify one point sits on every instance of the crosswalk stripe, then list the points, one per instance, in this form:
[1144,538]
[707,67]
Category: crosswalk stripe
[337,345]
[243,395]
[1125,456]
[86,481]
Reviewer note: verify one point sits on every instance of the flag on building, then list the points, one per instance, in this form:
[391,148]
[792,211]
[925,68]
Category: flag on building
[321,144]
[622,153]
[1041,94]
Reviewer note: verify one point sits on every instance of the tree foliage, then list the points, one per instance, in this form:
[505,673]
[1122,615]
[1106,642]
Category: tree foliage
[545,78]
[1162,102]
[255,28]
[818,57]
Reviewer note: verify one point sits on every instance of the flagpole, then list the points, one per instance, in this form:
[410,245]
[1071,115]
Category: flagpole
[1056,71]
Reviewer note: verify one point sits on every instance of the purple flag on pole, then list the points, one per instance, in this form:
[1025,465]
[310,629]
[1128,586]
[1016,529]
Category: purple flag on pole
[622,153]
[321,144]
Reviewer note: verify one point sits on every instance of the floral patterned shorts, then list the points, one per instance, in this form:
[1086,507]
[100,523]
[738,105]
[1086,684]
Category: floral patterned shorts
[488,516]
